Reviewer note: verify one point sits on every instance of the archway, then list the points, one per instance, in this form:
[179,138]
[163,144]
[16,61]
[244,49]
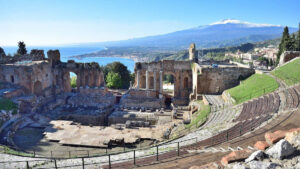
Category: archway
[168,84]
[73,80]
[186,83]
[38,88]
[151,80]
[143,82]
[12,79]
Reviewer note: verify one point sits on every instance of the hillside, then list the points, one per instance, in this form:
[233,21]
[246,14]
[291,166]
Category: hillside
[289,73]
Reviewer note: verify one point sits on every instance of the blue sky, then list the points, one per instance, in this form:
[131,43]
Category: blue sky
[51,22]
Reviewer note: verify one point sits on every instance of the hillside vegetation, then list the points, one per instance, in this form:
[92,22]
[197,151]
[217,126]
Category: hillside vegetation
[6,104]
[253,87]
[289,73]
[200,116]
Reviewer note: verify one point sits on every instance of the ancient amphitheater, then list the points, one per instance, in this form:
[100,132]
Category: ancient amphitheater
[90,126]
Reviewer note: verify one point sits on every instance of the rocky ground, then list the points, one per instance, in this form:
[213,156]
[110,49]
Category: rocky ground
[283,154]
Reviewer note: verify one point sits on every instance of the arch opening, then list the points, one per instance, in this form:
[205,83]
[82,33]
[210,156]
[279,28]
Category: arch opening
[73,80]
[186,83]
[151,80]
[38,88]
[168,84]
[143,82]
[12,79]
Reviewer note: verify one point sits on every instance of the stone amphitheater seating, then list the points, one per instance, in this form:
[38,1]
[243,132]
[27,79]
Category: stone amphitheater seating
[252,115]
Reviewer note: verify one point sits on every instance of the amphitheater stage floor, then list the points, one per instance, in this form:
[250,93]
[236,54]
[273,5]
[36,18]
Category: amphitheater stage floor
[67,133]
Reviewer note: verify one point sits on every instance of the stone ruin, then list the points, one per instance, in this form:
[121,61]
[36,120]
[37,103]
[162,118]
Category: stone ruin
[42,85]
[287,56]
[192,78]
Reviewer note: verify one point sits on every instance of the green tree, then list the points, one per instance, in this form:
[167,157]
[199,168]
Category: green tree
[284,43]
[121,69]
[2,53]
[169,78]
[74,82]
[113,80]
[298,40]
[22,48]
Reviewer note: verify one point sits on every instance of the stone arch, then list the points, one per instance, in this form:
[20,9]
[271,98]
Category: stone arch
[143,82]
[172,87]
[71,76]
[186,82]
[151,80]
[38,88]
[12,78]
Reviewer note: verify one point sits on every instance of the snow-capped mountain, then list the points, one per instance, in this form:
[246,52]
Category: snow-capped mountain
[227,32]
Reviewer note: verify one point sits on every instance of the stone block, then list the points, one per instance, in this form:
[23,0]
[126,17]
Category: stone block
[257,155]
[261,145]
[236,156]
[293,138]
[280,150]
[262,165]
[272,138]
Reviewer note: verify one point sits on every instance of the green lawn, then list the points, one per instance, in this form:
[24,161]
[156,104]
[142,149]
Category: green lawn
[200,116]
[253,87]
[289,73]
[8,150]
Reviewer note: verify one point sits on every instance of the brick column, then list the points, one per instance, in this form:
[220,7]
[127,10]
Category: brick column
[161,81]
[154,77]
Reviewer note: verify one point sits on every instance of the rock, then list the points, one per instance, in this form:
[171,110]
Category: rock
[262,165]
[293,138]
[281,149]
[261,145]
[236,166]
[294,129]
[236,156]
[206,166]
[272,138]
[257,155]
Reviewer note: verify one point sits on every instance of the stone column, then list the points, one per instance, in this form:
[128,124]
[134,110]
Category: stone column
[147,80]
[161,81]
[138,79]
[154,83]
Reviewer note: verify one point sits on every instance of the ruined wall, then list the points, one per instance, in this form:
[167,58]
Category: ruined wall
[216,80]
[88,75]
[35,55]
[46,77]
[100,101]
[34,76]
[149,76]
[288,55]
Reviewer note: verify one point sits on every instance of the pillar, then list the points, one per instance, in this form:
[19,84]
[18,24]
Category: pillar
[147,80]
[138,79]
[160,81]
[154,83]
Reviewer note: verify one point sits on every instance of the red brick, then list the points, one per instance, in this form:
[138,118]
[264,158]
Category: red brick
[236,156]
[261,145]
[272,138]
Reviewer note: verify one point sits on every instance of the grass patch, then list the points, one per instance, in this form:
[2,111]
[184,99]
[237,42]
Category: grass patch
[200,116]
[289,73]
[8,150]
[253,87]
[6,104]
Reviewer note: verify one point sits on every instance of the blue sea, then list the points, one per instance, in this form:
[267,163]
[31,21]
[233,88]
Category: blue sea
[67,52]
